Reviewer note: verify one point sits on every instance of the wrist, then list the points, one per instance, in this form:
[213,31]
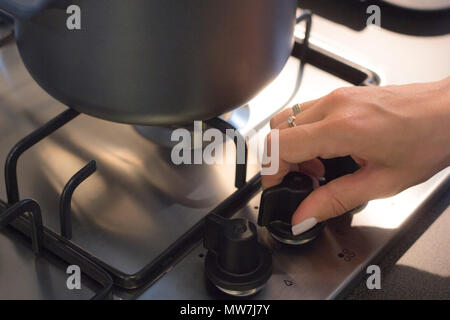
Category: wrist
[444,107]
[432,114]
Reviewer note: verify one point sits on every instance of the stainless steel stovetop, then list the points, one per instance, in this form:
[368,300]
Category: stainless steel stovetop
[138,203]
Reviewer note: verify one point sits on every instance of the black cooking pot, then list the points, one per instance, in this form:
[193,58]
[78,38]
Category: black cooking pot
[154,62]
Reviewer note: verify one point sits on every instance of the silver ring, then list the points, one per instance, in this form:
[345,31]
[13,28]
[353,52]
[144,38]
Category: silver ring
[291,121]
[296,109]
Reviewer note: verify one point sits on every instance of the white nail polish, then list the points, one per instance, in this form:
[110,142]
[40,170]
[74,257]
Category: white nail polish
[304,226]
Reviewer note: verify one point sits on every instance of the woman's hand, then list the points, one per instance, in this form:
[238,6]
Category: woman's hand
[400,135]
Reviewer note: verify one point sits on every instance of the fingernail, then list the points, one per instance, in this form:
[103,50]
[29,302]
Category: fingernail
[304,226]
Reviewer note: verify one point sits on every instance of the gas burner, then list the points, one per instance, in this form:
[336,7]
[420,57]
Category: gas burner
[161,136]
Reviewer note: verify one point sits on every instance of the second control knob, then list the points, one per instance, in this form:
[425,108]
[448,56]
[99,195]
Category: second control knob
[236,263]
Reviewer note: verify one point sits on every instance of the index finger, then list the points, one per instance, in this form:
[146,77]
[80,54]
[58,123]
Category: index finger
[282,116]
[303,143]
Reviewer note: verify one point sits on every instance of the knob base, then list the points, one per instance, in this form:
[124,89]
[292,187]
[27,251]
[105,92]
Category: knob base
[241,294]
[281,232]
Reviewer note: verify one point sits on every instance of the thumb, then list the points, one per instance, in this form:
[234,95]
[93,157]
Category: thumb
[336,198]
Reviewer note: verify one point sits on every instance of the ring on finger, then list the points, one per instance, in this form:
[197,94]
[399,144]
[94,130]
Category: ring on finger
[291,121]
[296,109]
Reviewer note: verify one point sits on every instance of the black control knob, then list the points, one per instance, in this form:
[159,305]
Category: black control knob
[236,263]
[279,203]
[338,167]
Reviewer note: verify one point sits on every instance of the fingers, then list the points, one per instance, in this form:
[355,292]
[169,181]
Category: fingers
[339,196]
[304,117]
[310,141]
[279,121]
[313,168]
[272,159]
[299,145]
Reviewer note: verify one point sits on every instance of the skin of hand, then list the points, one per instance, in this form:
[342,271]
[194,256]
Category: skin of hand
[399,135]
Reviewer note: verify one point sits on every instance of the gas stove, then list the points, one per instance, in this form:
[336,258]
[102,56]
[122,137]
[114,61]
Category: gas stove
[108,199]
